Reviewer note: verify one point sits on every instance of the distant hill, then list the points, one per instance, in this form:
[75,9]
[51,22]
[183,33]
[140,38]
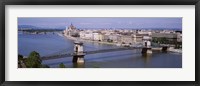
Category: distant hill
[26,27]
[35,27]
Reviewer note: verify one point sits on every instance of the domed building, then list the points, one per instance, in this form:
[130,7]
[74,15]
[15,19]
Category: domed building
[71,31]
[72,27]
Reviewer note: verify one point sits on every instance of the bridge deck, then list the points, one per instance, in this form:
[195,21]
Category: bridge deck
[94,52]
[88,52]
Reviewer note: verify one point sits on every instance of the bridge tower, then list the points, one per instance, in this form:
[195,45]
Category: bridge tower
[147,45]
[78,55]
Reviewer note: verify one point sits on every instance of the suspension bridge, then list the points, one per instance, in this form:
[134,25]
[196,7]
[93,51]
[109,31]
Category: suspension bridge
[78,51]
[56,56]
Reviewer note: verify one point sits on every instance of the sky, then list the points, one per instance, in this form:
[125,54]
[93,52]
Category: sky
[103,22]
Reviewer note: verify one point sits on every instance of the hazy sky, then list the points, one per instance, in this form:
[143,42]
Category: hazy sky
[103,22]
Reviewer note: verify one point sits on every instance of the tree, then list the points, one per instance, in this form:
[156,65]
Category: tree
[33,60]
[164,40]
[20,57]
[61,65]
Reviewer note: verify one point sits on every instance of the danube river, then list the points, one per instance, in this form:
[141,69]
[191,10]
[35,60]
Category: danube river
[49,44]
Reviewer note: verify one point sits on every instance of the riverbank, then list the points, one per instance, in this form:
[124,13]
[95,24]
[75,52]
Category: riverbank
[176,50]
[116,44]
[169,50]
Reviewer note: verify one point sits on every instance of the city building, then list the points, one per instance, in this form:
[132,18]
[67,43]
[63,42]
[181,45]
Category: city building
[97,36]
[71,31]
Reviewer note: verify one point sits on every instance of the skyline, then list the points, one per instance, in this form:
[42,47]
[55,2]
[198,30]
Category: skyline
[103,22]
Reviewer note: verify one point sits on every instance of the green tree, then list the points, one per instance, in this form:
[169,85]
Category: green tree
[61,65]
[164,40]
[20,57]
[155,40]
[33,60]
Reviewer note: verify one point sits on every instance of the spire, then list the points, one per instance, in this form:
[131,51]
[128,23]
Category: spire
[72,27]
[71,24]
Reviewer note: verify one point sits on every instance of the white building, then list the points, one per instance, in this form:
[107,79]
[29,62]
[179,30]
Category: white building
[97,37]
[82,34]
[88,36]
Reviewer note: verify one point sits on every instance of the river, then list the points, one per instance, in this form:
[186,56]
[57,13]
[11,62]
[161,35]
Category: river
[48,44]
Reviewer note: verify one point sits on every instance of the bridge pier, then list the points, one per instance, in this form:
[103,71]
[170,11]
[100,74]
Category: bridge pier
[164,49]
[78,59]
[146,51]
[167,48]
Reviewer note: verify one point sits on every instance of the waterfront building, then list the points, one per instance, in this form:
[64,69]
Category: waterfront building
[114,38]
[139,37]
[86,35]
[82,34]
[105,37]
[100,37]
[127,40]
[144,32]
[166,35]
[71,31]
[179,37]
[96,37]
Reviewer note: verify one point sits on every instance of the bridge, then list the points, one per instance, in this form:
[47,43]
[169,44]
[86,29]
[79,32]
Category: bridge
[87,52]
[78,53]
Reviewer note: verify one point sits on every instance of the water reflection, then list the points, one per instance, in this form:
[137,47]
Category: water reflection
[78,61]
[78,65]
[146,58]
